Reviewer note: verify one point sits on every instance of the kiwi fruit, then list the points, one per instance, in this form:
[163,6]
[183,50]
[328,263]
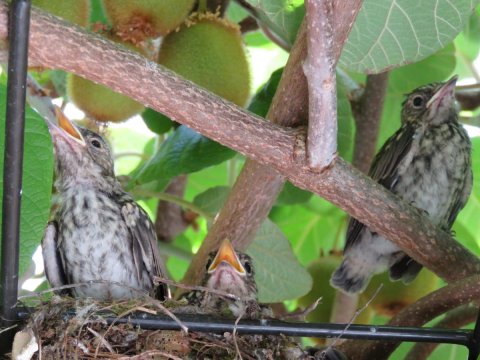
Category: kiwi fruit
[395,295]
[100,102]
[149,18]
[75,11]
[209,51]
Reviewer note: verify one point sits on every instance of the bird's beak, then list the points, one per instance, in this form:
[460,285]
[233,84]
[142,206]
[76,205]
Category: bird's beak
[66,128]
[226,253]
[445,94]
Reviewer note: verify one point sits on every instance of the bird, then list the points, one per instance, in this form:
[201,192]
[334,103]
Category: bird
[230,272]
[100,237]
[427,162]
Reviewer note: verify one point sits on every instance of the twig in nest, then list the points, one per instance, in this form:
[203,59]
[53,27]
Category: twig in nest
[302,314]
[102,341]
[196,287]
[159,305]
[357,314]
[150,355]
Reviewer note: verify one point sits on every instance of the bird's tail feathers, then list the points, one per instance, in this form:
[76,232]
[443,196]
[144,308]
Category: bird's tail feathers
[350,279]
[405,269]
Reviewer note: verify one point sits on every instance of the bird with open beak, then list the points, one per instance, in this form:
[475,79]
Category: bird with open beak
[101,240]
[427,162]
[230,272]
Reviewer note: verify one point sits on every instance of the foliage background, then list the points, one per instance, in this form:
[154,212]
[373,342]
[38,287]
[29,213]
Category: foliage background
[435,38]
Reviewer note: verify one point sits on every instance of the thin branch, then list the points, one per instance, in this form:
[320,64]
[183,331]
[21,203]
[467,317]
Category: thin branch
[58,45]
[319,68]
[418,314]
[170,220]
[367,111]
[454,319]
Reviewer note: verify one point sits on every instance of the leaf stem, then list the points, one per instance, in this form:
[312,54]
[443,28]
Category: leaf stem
[140,192]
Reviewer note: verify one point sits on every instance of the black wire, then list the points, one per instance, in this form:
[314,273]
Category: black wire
[19,23]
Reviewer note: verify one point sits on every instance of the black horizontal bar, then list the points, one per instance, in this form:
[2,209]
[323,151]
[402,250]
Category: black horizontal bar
[204,323]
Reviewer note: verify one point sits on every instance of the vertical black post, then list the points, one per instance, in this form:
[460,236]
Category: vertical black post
[474,344]
[19,24]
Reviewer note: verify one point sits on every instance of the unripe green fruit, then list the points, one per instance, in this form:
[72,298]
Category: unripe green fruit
[151,17]
[75,11]
[209,51]
[100,102]
[395,295]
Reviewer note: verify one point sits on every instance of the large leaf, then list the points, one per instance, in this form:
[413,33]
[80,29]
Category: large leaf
[283,17]
[37,180]
[391,33]
[212,199]
[184,152]
[278,273]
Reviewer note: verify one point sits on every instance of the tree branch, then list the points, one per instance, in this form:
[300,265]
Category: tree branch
[319,68]
[367,112]
[427,308]
[454,319]
[170,220]
[56,44]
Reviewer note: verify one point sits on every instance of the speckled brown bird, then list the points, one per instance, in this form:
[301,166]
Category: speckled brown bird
[427,162]
[99,233]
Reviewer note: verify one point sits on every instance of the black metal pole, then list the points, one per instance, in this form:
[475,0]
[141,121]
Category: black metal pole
[474,343]
[19,24]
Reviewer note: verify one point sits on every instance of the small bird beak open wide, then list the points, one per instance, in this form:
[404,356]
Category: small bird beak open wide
[66,128]
[444,95]
[226,253]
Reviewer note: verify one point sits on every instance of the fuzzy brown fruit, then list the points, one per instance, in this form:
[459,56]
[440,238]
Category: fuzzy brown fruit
[209,51]
[147,18]
[395,295]
[100,102]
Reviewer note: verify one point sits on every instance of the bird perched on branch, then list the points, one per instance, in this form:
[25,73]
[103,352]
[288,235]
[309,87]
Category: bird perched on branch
[229,272]
[99,233]
[427,162]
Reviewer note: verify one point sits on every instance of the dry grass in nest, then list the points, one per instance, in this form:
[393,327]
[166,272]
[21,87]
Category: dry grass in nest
[67,328]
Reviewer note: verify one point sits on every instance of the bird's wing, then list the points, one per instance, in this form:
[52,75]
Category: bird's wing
[51,257]
[461,198]
[144,243]
[384,170]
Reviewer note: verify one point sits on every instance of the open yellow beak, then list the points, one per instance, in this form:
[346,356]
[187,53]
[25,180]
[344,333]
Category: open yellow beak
[66,125]
[226,253]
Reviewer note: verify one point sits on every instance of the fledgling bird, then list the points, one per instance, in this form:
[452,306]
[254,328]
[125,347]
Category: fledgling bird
[230,272]
[99,233]
[427,162]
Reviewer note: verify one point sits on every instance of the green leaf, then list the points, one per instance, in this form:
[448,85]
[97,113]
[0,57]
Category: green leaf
[185,151]
[37,180]
[261,101]
[292,195]
[212,200]
[388,34]
[157,122]
[283,17]
[278,273]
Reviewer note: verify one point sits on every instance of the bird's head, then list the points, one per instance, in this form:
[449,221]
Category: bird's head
[231,272]
[81,155]
[433,104]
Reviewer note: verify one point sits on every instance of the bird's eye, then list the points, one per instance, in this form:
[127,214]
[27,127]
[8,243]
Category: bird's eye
[96,143]
[248,267]
[417,101]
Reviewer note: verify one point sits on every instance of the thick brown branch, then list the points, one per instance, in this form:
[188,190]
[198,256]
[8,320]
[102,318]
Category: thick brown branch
[468,98]
[418,314]
[289,108]
[454,319]
[58,45]
[319,68]
[367,112]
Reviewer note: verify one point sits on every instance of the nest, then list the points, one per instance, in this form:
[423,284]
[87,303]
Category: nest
[66,328]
